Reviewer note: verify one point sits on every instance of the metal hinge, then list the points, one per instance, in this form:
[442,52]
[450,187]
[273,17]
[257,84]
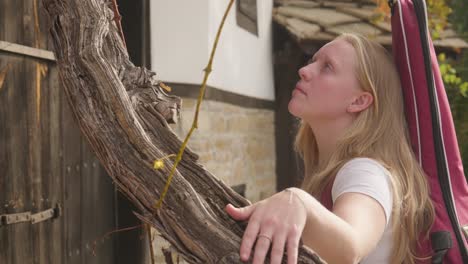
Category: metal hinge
[52,213]
[15,218]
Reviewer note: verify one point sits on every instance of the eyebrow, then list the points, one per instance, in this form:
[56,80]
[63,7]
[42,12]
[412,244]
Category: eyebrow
[333,62]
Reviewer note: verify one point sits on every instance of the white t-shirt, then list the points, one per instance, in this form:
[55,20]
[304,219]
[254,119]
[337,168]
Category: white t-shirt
[369,177]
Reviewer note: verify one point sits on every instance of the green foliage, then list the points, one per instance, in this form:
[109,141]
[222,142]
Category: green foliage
[457,93]
[451,78]
[458,102]
[438,13]
[458,18]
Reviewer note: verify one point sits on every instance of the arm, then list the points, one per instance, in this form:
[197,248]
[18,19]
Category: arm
[348,233]
[345,235]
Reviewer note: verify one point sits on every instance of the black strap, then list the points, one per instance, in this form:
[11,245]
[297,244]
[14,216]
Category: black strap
[391,4]
[441,242]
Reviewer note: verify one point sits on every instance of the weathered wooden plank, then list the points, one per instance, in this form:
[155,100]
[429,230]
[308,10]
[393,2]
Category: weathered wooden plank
[34,92]
[23,106]
[54,176]
[5,253]
[103,212]
[3,8]
[5,24]
[26,51]
[27,189]
[48,190]
[45,43]
[32,150]
[17,23]
[39,151]
[25,24]
[88,206]
[25,177]
[16,180]
[35,108]
[97,209]
[71,145]
[107,214]
[129,252]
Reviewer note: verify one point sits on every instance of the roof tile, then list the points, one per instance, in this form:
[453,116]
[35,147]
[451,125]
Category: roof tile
[323,20]
[360,28]
[302,29]
[322,16]
[303,3]
[363,13]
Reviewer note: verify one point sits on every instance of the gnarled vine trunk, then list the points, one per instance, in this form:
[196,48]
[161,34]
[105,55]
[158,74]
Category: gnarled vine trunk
[123,113]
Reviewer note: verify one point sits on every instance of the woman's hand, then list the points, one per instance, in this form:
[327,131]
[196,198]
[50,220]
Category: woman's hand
[277,221]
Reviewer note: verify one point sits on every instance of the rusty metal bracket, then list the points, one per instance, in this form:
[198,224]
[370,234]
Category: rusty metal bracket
[9,219]
[51,213]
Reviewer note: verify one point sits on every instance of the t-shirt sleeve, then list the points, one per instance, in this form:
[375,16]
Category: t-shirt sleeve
[365,176]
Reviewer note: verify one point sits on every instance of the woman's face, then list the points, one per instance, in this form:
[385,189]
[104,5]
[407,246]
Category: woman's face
[327,84]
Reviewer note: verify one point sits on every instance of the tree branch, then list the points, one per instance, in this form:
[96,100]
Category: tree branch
[123,112]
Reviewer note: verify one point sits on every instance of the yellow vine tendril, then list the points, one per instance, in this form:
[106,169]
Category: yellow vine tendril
[207,71]
[159,163]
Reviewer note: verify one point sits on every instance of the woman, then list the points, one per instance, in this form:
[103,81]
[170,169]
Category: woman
[353,139]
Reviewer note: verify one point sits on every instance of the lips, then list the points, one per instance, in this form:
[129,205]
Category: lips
[299,89]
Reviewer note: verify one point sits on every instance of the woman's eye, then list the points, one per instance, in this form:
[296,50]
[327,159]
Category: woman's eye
[327,66]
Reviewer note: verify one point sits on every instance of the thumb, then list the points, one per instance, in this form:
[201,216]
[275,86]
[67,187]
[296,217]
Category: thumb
[242,213]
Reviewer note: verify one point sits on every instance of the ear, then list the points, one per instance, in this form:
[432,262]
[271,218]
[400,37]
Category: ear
[360,102]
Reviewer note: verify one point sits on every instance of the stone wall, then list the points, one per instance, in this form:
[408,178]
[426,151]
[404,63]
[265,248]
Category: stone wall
[235,144]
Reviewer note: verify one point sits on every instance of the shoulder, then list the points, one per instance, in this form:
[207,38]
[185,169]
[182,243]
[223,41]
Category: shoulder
[362,172]
[366,176]
[363,164]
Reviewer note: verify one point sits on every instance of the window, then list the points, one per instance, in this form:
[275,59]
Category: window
[246,15]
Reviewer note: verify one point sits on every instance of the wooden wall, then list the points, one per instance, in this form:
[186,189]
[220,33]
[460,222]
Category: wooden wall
[44,161]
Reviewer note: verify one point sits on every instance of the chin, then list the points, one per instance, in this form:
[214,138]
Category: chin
[293,108]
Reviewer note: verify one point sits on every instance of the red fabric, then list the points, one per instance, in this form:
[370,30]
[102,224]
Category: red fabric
[326,197]
[458,181]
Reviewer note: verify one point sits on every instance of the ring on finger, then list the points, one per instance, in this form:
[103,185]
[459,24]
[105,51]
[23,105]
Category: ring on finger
[264,236]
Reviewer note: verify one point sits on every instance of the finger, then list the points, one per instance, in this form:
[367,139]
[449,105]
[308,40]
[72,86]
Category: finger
[261,248]
[250,235]
[277,251]
[242,213]
[293,245]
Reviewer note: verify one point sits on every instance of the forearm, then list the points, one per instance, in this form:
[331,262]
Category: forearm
[332,238]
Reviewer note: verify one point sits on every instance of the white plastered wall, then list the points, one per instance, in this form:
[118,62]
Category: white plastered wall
[183,32]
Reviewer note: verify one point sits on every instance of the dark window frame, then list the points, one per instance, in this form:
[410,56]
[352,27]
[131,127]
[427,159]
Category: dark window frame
[247,19]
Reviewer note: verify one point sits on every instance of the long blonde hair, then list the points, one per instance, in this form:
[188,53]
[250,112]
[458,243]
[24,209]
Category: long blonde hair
[380,133]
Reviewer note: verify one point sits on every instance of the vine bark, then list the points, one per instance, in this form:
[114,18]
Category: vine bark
[124,113]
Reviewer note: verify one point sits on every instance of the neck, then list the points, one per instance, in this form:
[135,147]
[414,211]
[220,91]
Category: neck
[327,135]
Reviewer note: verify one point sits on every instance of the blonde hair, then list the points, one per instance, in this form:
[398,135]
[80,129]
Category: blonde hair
[380,133]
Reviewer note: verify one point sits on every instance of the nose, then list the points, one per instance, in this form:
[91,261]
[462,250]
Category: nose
[303,73]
